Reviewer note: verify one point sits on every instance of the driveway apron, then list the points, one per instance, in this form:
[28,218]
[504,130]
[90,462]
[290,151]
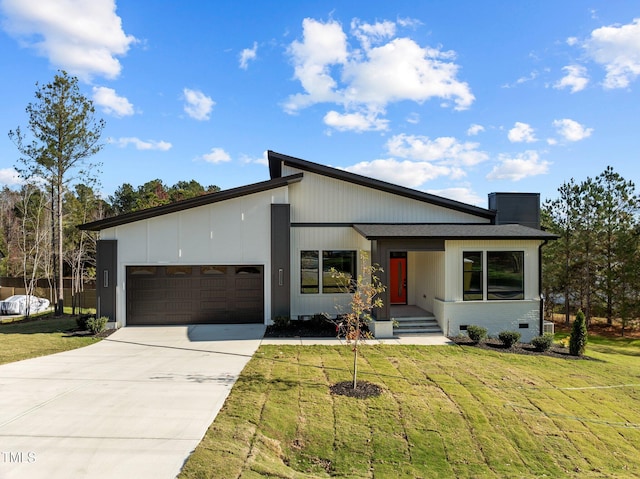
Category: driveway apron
[133,405]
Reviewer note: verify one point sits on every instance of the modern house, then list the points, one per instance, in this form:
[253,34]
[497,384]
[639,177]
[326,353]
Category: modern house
[253,253]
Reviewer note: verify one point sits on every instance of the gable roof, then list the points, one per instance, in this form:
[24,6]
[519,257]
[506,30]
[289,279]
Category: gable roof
[451,231]
[191,203]
[276,160]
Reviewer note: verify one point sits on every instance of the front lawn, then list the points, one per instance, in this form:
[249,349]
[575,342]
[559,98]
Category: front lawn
[445,412]
[39,337]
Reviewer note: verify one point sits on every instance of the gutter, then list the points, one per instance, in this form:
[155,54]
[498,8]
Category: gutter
[540,286]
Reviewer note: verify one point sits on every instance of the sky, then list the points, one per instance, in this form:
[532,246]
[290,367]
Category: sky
[455,98]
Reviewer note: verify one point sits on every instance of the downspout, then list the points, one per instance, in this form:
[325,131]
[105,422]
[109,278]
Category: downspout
[540,286]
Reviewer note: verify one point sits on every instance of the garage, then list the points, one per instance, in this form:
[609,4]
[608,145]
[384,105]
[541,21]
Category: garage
[198,294]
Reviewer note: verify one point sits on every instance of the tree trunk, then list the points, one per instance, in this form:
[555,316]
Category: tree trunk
[60,302]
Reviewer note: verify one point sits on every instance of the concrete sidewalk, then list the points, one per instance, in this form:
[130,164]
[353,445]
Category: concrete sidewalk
[131,406]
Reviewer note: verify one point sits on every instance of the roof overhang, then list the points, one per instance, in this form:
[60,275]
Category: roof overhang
[191,203]
[276,160]
[451,231]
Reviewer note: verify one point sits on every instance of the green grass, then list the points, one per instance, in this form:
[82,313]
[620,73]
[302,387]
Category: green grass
[29,339]
[446,412]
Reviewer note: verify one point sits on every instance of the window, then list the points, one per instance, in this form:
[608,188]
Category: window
[342,262]
[505,275]
[472,274]
[309,272]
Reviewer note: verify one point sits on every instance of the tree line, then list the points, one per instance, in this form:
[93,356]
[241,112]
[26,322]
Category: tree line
[59,190]
[594,265]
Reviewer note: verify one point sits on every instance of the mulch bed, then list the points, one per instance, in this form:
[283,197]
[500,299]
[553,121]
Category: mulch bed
[363,390]
[519,348]
[302,329]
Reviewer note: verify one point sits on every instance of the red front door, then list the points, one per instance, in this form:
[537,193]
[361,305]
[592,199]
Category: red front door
[398,280]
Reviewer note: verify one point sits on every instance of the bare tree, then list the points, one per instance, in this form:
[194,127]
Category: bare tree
[65,135]
[34,237]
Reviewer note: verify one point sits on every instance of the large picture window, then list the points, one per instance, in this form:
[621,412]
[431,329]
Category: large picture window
[493,275]
[505,275]
[473,274]
[309,272]
[342,262]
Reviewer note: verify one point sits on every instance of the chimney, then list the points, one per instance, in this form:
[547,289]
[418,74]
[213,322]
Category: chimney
[516,208]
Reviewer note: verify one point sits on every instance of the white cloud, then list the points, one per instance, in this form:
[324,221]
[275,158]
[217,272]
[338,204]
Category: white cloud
[111,103]
[521,132]
[82,37]
[406,173]
[522,166]
[198,105]
[463,194]
[358,122]
[475,129]
[9,177]
[215,156]
[385,69]
[532,76]
[143,144]
[617,48]
[413,118]
[571,130]
[369,34]
[571,41]
[449,149]
[576,78]
[247,55]
[261,160]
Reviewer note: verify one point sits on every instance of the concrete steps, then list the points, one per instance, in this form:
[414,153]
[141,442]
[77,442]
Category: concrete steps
[416,325]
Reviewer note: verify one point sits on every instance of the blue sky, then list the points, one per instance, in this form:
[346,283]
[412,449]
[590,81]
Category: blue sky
[457,98]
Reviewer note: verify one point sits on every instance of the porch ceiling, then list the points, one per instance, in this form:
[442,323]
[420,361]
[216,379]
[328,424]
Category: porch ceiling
[450,231]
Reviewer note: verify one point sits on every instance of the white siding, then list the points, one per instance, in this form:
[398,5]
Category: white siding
[452,312]
[454,263]
[319,239]
[319,198]
[425,278]
[236,231]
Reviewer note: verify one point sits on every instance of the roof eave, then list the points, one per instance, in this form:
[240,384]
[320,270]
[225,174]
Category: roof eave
[190,203]
[275,169]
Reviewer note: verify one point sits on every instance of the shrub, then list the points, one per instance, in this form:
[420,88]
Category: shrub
[509,338]
[81,322]
[542,343]
[476,333]
[97,325]
[281,322]
[578,338]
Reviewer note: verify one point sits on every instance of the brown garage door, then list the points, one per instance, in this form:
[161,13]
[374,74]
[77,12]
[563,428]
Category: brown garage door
[195,294]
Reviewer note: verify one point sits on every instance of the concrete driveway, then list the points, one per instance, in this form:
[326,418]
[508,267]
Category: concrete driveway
[133,405]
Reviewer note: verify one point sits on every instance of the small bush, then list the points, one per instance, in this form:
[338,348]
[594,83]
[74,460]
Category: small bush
[509,338]
[97,325]
[319,319]
[542,343]
[578,338]
[282,322]
[81,322]
[476,333]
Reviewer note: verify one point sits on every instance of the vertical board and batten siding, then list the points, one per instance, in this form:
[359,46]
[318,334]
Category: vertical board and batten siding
[232,232]
[320,198]
[425,278]
[452,312]
[455,264]
[320,239]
